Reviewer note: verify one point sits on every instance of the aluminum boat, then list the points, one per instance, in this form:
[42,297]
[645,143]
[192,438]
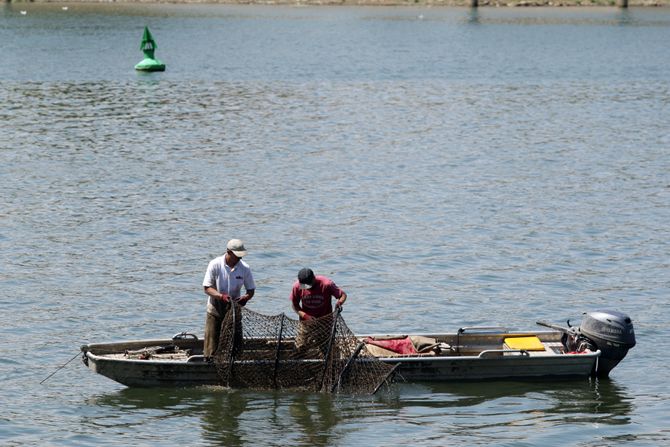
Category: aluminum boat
[471,353]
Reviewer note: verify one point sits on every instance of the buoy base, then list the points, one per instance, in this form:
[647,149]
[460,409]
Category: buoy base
[149,64]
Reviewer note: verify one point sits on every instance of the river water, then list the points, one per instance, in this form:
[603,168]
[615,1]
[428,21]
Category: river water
[446,167]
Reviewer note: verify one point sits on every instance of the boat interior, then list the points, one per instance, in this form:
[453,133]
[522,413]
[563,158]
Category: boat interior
[467,342]
[472,342]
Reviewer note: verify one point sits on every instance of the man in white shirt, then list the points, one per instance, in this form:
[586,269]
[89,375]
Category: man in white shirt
[224,279]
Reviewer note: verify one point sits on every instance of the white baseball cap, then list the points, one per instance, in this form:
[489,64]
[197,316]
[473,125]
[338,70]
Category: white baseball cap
[237,247]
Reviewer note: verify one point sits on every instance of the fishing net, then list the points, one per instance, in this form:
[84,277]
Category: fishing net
[276,352]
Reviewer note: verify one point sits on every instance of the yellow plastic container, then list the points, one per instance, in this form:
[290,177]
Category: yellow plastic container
[531,343]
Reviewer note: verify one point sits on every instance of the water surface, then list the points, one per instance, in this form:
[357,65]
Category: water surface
[446,167]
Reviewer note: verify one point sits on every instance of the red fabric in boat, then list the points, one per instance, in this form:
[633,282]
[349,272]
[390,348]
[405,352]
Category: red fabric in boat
[399,345]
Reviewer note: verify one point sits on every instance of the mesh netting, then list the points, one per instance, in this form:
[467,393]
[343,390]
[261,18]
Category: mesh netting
[276,352]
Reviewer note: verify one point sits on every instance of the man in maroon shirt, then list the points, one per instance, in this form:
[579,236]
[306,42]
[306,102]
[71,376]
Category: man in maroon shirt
[311,298]
[311,295]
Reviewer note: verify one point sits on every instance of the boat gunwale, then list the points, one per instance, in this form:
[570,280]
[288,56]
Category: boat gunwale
[186,341]
[398,359]
[441,358]
[89,350]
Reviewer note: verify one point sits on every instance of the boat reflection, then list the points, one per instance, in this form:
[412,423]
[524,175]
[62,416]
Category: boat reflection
[240,417]
[602,401]
[243,417]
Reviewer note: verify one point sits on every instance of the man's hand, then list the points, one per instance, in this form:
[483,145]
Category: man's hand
[341,300]
[243,300]
[225,298]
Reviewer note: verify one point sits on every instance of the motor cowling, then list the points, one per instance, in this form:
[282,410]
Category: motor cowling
[610,331]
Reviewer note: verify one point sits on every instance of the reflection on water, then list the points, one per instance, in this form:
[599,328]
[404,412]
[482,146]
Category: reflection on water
[311,419]
[317,416]
[233,417]
[604,401]
[221,412]
[473,16]
[586,401]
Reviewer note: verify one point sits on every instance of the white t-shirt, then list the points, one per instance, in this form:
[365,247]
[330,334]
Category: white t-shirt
[227,280]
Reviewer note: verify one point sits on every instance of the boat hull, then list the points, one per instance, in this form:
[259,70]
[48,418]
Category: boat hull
[148,373]
[481,363]
[468,368]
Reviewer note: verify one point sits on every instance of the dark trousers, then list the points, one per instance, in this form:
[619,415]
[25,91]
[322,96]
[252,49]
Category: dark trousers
[213,330]
[212,334]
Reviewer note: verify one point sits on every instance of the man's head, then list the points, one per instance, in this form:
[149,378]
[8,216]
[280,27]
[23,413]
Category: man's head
[306,278]
[236,247]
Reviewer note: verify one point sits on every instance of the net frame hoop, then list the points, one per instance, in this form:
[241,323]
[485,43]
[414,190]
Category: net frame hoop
[326,362]
[388,376]
[278,350]
[345,370]
[231,359]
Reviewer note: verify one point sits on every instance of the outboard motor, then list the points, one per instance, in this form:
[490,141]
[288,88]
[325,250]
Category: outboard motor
[611,332]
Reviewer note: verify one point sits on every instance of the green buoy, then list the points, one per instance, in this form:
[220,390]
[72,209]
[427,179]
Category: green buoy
[148,46]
